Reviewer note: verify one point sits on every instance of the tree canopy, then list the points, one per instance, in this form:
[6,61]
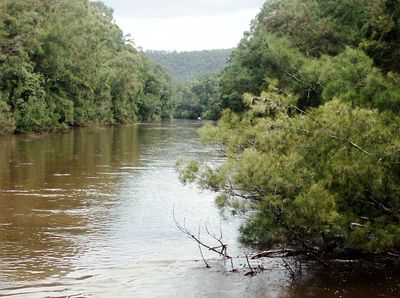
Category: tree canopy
[312,47]
[65,63]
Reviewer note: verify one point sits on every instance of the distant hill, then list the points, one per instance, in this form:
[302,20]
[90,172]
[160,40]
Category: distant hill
[189,66]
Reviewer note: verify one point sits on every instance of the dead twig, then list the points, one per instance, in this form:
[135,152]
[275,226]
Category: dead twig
[251,272]
[185,230]
[290,269]
[201,251]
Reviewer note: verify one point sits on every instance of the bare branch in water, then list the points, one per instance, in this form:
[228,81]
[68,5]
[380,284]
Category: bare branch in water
[185,230]
[252,272]
[221,250]
[201,251]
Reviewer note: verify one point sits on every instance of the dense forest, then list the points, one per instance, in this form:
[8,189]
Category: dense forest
[310,129]
[65,63]
[187,67]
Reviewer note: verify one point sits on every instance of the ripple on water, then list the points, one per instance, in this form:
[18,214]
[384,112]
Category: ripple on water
[93,217]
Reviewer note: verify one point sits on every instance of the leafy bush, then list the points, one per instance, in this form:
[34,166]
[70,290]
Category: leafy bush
[321,179]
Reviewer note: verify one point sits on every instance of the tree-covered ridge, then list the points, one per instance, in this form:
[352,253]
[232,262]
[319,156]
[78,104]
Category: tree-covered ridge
[65,63]
[311,128]
[186,67]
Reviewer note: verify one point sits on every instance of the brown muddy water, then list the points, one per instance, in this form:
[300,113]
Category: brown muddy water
[89,214]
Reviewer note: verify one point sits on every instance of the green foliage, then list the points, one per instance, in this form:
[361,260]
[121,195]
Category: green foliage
[316,26]
[352,77]
[25,95]
[65,63]
[7,122]
[382,38]
[318,50]
[313,161]
[197,72]
[187,67]
[200,99]
[323,179]
[189,107]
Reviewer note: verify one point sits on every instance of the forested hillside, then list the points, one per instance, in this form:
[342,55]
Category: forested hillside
[311,130]
[65,63]
[186,67]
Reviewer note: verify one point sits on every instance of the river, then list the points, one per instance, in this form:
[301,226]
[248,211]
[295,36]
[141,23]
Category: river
[90,213]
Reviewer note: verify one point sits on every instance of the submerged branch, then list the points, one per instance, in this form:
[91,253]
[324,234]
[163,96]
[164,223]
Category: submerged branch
[185,230]
[270,253]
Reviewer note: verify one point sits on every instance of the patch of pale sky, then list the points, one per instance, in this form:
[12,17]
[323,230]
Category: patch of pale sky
[185,25]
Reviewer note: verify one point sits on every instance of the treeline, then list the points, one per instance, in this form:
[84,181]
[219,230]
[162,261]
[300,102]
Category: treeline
[65,63]
[187,67]
[311,128]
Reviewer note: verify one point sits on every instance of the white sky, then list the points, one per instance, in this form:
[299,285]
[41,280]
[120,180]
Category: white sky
[185,25]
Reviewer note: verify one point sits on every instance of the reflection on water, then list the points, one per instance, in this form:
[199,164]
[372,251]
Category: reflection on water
[90,213]
[54,192]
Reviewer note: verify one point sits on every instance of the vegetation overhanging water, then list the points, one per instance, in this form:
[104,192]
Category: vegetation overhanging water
[308,108]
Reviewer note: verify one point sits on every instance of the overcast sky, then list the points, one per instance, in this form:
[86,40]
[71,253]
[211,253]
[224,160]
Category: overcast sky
[185,25]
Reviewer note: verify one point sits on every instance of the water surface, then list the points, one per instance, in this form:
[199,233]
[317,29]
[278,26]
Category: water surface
[89,213]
